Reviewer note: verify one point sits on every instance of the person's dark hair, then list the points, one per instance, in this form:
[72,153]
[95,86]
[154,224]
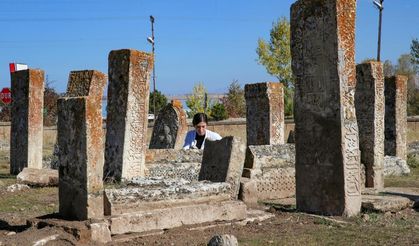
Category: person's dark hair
[198,118]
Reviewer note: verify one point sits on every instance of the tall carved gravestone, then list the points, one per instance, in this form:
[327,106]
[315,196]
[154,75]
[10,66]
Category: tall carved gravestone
[264,113]
[170,127]
[327,148]
[369,104]
[80,141]
[396,116]
[127,109]
[27,120]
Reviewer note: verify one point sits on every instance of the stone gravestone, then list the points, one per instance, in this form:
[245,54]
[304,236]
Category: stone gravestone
[369,104]
[127,110]
[27,120]
[170,128]
[223,161]
[80,140]
[265,113]
[395,116]
[327,148]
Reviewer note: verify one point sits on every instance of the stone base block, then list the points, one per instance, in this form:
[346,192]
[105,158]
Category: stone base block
[384,204]
[248,192]
[177,216]
[144,194]
[271,184]
[38,177]
[100,232]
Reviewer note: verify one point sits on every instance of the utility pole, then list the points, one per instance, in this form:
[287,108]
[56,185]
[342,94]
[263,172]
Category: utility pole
[151,40]
[379,5]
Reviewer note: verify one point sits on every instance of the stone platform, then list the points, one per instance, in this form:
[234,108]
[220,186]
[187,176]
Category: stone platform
[146,194]
[269,173]
[177,216]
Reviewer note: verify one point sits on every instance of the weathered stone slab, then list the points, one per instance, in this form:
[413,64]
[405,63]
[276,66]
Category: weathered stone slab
[395,166]
[270,156]
[384,204]
[369,104]
[145,194]
[177,216]
[154,156]
[265,113]
[170,128]
[395,116]
[81,147]
[187,171]
[223,161]
[38,177]
[327,148]
[27,120]
[127,109]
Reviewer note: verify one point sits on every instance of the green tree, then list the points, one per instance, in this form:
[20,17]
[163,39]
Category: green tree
[406,67]
[218,112]
[198,101]
[234,103]
[161,101]
[275,55]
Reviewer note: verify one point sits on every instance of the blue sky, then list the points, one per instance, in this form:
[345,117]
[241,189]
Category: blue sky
[210,41]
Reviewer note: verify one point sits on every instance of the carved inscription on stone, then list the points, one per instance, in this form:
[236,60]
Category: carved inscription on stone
[327,148]
[170,128]
[395,116]
[127,109]
[27,120]
[369,102]
[265,113]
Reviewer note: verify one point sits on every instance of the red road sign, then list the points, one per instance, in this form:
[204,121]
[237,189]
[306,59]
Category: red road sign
[6,95]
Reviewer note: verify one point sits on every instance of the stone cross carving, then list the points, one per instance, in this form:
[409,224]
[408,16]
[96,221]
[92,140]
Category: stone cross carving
[27,120]
[170,128]
[327,148]
[127,110]
[80,143]
[264,113]
[395,116]
[369,104]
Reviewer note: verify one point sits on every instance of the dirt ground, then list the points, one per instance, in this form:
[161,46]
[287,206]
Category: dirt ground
[288,227]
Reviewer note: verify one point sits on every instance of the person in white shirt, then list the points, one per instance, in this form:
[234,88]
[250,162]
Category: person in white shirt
[195,139]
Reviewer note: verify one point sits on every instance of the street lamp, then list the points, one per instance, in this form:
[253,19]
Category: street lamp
[151,41]
[379,5]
